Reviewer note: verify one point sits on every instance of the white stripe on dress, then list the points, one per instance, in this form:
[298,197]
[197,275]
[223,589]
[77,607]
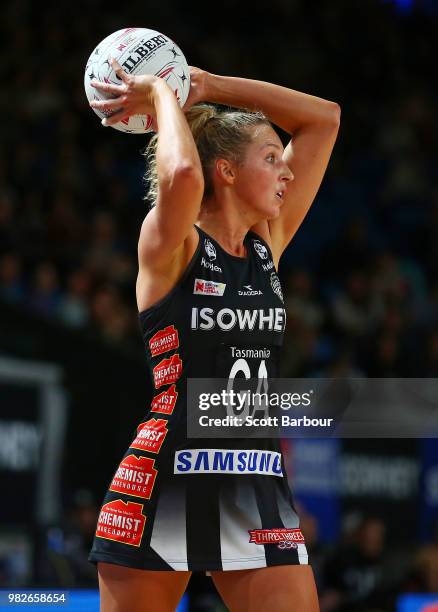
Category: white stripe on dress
[291,520]
[238,514]
[169,535]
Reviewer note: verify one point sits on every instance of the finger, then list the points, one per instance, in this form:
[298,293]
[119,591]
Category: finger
[107,105]
[107,87]
[188,105]
[115,117]
[186,108]
[123,76]
[192,99]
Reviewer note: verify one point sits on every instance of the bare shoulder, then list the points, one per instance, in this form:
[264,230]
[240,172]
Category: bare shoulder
[157,278]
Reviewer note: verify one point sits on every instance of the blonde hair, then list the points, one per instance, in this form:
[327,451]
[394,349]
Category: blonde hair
[217,133]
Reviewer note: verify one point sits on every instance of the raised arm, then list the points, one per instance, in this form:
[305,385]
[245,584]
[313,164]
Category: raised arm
[313,124]
[180,179]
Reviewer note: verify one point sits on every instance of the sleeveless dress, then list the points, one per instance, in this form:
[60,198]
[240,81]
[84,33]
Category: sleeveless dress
[194,504]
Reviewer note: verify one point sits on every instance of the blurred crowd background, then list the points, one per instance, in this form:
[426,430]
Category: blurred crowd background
[360,277]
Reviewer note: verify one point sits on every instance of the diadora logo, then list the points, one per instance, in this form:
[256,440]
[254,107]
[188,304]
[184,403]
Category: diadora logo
[276,285]
[209,249]
[210,266]
[207,287]
[248,290]
[261,250]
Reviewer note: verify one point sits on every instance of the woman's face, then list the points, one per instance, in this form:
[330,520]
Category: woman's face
[262,177]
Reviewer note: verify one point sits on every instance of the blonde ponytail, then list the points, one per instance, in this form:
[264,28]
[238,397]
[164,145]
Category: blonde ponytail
[216,133]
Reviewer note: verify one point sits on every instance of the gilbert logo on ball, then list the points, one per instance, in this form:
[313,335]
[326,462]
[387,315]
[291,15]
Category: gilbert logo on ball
[138,51]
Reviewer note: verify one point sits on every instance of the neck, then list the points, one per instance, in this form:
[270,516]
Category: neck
[228,225]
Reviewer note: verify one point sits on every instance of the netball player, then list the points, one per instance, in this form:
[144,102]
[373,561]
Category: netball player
[228,198]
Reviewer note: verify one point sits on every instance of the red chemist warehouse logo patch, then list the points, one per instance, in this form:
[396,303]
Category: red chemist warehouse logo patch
[121,522]
[150,435]
[165,401]
[135,476]
[284,538]
[164,340]
[167,371]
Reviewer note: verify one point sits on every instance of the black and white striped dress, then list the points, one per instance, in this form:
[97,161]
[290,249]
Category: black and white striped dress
[195,504]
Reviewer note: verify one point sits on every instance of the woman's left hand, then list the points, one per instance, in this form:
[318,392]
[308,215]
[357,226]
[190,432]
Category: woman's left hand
[198,87]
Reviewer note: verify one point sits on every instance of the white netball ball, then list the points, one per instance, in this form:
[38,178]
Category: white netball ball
[138,51]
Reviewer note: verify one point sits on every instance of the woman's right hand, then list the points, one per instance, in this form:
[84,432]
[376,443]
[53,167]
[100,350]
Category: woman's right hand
[134,96]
